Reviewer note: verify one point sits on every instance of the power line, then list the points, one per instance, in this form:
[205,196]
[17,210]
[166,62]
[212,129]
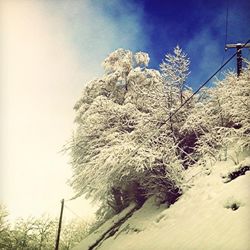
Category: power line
[247,54]
[226,33]
[226,23]
[177,110]
[73,212]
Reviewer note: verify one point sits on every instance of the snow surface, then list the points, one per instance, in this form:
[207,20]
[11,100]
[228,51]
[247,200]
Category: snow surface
[92,238]
[201,219]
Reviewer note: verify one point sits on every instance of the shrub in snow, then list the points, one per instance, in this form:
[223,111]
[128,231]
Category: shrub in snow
[237,171]
[232,203]
[220,118]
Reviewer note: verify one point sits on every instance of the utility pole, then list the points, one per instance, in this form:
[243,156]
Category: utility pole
[59,226]
[239,47]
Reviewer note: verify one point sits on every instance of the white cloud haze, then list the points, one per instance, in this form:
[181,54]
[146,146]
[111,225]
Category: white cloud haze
[49,50]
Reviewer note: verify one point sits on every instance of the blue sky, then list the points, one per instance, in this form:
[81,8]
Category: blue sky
[156,27]
[199,27]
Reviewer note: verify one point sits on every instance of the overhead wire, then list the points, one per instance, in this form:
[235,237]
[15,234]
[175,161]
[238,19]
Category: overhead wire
[248,57]
[73,212]
[226,33]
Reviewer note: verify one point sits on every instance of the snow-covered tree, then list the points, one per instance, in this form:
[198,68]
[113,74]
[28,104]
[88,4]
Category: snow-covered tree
[39,233]
[141,59]
[174,73]
[114,115]
[5,236]
[72,233]
[175,70]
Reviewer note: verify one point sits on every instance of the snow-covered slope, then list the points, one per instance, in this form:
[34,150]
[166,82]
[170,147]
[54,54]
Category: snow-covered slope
[212,214]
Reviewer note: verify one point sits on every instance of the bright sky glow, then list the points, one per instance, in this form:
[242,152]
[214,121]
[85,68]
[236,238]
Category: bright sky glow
[44,71]
[39,75]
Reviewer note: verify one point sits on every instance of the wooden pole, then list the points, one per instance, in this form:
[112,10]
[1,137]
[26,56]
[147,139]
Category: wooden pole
[239,60]
[59,226]
[239,47]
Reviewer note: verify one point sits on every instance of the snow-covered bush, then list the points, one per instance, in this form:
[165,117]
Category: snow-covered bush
[220,118]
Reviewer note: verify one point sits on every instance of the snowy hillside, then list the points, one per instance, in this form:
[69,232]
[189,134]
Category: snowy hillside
[213,213]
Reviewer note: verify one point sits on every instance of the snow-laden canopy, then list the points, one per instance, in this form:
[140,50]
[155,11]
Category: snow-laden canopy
[128,146]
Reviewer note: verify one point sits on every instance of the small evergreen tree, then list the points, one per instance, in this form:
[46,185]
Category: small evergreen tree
[175,70]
